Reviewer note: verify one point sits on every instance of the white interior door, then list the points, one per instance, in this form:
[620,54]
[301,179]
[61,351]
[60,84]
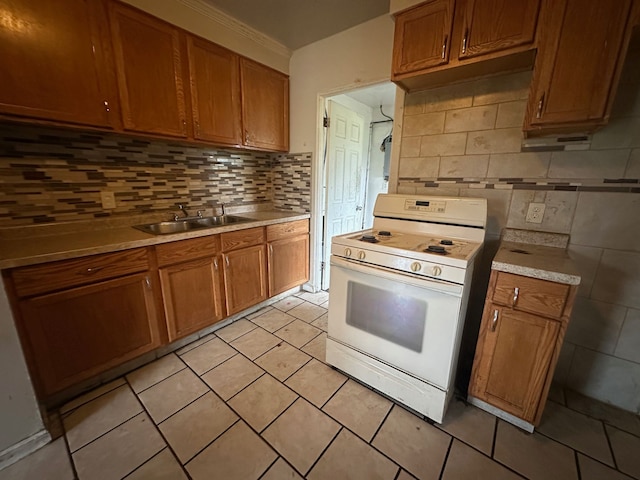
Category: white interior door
[346,176]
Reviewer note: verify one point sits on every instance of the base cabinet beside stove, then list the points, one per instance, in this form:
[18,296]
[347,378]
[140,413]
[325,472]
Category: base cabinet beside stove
[522,330]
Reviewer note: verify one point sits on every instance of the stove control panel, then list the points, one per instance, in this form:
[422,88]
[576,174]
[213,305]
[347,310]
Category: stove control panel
[434,206]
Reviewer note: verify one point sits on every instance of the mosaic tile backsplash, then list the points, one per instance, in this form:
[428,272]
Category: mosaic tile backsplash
[49,175]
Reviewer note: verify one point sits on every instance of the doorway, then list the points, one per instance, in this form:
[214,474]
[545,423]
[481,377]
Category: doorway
[357,135]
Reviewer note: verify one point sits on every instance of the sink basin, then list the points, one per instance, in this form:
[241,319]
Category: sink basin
[187,225]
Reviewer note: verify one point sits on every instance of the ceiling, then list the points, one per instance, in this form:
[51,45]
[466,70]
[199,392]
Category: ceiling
[296,23]
[376,95]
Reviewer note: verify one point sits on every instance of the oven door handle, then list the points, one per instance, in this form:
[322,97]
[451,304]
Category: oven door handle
[389,274]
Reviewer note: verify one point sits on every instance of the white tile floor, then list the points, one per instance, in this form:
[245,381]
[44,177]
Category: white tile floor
[256,400]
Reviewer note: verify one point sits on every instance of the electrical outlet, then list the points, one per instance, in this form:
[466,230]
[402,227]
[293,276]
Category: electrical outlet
[108,200]
[535,213]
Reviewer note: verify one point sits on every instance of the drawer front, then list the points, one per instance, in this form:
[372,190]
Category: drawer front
[289,229]
[184,250]
[531,294]
[53,276]
[242,238]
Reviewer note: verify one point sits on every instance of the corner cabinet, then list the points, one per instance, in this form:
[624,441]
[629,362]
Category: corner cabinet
[245,268]
[288,255]
[191,282]
[149,68]
[521,333]
[582,47]
[81,317]
[54,62]
[265,106]
[434,38]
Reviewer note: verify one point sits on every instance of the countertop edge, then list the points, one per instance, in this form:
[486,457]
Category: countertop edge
[138,239]
[536,273]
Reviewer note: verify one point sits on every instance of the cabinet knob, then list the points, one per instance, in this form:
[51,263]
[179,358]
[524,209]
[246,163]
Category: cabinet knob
[540,106]
[444,47]
[215,263]
[226,259]
[516,292]
[148,282]
[494,322]
[92,270]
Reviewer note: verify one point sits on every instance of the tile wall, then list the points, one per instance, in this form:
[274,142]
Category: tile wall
[49,175]
[466,140]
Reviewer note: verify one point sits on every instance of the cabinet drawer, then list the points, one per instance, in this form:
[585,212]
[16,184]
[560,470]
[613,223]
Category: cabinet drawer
[289,229]
[531,294]
[52,276]
[242,238]
[174,252]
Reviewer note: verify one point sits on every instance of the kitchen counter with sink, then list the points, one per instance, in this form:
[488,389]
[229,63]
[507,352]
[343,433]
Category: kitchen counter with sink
[21,246]
[537,255]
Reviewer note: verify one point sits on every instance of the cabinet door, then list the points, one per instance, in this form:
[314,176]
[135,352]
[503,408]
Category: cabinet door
[288,263]
[422,37]
[245,278]
[265,106]
[512,361]
[214,75]
[578,58]
[78,333]
[149,71]
[192,296]
[53,61]
[490,26]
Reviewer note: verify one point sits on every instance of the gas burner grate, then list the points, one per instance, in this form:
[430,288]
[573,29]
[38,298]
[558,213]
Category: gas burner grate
[369,239]
[439,249]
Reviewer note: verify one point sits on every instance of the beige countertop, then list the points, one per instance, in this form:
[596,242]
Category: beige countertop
[536,261]
[45,243]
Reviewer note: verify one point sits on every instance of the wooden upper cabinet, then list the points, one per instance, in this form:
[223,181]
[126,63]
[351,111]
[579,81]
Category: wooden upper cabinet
[490,26]
[581,49]
[54,62]
[214,77]
[149,72]
[265,106]
[422,37]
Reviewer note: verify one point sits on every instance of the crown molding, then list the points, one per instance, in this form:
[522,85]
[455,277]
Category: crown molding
[237,26]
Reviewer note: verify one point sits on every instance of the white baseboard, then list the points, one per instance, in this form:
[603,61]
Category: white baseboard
[23,448]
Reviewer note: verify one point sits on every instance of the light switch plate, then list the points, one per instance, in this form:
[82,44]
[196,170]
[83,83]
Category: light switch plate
[535,213]
[108,200]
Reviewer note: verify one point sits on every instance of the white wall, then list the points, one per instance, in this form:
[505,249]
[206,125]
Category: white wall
[207,22]
[19,413]
[357,57]
[376,182]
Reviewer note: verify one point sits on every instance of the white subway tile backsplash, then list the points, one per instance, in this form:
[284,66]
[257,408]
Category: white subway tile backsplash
[519,165]
[470,119]
[589,164]
[595,325]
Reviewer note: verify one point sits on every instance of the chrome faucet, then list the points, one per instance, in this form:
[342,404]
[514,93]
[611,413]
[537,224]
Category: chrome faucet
[222,207]
[183,209]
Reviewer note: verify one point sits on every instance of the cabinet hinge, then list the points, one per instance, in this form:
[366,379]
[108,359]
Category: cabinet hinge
[322,265]
[325,122]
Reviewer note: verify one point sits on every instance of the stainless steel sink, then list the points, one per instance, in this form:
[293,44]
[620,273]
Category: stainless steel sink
[189,224]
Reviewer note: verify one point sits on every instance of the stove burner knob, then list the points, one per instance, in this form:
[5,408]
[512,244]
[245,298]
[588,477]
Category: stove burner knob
[415,267]
[436,271]
[347,252]
[361,255]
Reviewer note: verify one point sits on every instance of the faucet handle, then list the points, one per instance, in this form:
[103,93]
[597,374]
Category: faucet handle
[199,213]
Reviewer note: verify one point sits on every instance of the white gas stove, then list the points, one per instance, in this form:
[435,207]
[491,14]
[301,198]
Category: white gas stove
[398,296]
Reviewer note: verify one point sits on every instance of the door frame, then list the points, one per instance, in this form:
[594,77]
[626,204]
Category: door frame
[317,180]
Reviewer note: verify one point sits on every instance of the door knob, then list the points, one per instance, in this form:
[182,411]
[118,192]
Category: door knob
[358,208]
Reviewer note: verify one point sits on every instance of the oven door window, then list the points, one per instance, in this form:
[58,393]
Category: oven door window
[398,319]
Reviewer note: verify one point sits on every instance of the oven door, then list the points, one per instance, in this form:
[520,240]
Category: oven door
[407,322]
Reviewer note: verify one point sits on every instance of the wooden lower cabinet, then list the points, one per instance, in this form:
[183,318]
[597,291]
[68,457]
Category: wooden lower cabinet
[515,356]
[245,278]
[192,296]
[522,330]
[288,263]
[77,333]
